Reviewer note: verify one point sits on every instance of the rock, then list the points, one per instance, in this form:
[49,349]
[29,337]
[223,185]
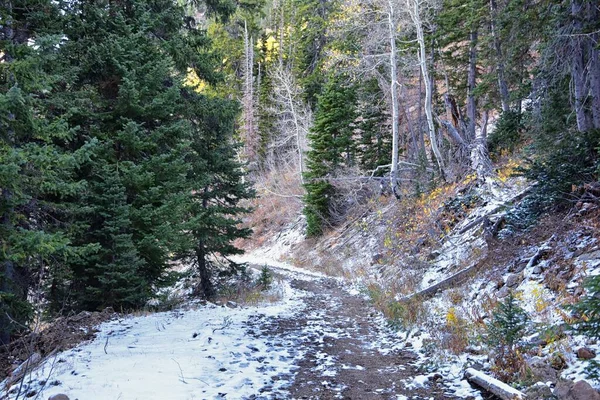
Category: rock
[594,255]
[59,396]
[513,280]
[502,293]
[585,353]
[542,371]
[580,390]
[433,255]
[231,304]
[518,266]
[377,259]
[539,392]
[436,377]
[558,361]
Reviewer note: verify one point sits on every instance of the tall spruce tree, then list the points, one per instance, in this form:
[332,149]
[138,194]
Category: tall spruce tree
[216,188]
[36,173]
[129,60]
[332,147]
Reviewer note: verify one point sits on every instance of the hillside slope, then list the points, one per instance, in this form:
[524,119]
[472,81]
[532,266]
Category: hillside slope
[441,272]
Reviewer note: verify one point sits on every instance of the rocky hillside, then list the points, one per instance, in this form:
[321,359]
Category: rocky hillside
[448,270]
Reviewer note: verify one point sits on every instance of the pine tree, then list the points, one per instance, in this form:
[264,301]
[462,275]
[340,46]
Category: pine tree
[332,147]
[508,323]
[36,173]
[216,188]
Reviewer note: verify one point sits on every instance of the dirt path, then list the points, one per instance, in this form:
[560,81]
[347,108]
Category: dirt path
[342,350]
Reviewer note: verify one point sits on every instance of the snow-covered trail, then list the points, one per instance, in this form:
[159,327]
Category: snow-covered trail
[318,342]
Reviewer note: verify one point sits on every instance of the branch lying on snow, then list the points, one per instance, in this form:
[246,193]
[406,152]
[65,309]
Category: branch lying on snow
[540,252]
[494,386]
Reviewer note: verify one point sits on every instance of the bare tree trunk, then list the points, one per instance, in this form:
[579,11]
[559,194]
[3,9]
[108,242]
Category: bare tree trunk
[578,68]
[294,115]
[471,83]
[595,70]
[502,85]
[394,96]
[414,11]
[249,126]
[480,158]
[595,83]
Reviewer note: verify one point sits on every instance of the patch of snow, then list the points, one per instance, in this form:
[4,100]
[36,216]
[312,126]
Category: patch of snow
[198,353]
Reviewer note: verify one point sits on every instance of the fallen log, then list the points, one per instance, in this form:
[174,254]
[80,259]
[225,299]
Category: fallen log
[25,367]
[493,385]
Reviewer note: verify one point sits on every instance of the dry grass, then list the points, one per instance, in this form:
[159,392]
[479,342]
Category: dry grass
[278,203]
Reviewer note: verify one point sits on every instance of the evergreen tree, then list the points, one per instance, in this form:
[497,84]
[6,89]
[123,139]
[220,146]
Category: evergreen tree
[332,147]
[36,173]
[130,60]
[216,189]
[374,143]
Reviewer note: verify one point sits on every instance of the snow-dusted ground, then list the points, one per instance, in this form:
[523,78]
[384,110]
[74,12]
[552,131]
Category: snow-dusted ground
[309,338]
[203,352]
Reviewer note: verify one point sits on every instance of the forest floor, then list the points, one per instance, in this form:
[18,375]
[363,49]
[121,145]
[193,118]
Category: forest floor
[318,340]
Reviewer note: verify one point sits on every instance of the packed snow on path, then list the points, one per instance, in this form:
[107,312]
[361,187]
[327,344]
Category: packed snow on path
[204,352]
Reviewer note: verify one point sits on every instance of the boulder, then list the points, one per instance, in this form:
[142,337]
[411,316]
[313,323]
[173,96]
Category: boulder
[231,304]
[59,396]
[539,392]
[513,280]
[542,371]
[585,353]
[580,390]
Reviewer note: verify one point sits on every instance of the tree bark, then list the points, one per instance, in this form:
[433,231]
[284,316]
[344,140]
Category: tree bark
[414,11]
[206,287]
[502,85]
[394,96]
[480,158]
[595,70]
[471,83]
[249,130]
[578,67]
[498,388]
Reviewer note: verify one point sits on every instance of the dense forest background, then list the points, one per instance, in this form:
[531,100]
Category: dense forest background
[133,132]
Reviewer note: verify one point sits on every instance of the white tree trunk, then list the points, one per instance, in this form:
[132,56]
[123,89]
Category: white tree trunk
[480,158]
[471,83]
[294,116]
[414,9]
[394,95]
[249,121]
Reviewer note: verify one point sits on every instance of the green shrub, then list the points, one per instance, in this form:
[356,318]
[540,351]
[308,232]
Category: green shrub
[507,135]
[265,279]
[504,332]
[567,161]
[508,324]
[587,311]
